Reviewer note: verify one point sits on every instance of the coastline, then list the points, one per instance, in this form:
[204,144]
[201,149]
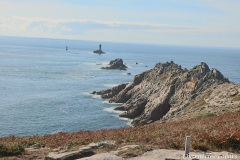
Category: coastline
[63,77]
[209,131]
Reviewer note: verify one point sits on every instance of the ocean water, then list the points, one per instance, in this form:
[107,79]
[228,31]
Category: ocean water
[44,89]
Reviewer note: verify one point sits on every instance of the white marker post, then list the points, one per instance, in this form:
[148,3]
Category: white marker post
[187,146]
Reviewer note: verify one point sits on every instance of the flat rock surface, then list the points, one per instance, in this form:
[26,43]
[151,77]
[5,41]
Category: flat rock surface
[163,154]
[102,156]
[65,155]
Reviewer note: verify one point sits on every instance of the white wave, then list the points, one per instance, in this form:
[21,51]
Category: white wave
[110,85]
[129,66]
[129,121]
[92,95]
[105,63]
[63,111]
[57,131]
[106,102]
[96,96]
[111,109]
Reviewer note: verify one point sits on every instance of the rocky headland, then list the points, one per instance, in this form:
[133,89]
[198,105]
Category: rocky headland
[169,92]
[116,64]
[200,103]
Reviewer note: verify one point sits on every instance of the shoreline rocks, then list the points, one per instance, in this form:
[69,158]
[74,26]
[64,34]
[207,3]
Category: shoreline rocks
[110,92]
[167,91]
[116,64]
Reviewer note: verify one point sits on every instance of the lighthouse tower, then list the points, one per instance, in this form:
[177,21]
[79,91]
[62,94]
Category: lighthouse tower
[99,51]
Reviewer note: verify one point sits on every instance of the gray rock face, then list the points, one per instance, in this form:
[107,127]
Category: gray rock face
[164,91]
[82,152]
[116,64]
[109,93]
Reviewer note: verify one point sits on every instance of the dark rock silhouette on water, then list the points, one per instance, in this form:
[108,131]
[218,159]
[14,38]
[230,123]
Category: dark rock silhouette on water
[99,51]
[167,91]
[116,64]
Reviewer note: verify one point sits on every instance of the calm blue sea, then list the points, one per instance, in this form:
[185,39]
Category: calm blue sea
[45,89]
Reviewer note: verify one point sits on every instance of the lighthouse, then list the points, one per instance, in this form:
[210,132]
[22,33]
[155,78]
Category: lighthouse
[99,51]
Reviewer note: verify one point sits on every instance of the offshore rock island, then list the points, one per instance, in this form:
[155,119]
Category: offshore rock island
[169,92]
[116,64]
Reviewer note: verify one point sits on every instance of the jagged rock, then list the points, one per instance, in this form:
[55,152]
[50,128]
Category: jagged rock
[116,64]
[110,92]
[167,90]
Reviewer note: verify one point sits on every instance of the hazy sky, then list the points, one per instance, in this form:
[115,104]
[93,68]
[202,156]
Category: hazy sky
[178,22]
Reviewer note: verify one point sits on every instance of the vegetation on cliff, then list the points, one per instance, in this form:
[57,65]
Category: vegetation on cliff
[208,133]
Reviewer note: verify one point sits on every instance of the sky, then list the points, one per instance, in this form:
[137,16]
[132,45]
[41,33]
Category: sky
[173,22]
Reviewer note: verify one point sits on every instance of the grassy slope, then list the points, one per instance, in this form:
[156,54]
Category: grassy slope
[214,133]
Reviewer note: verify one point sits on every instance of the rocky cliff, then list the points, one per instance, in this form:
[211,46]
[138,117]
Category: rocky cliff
[167,92]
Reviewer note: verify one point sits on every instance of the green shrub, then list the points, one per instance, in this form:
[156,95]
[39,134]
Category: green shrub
[10,150]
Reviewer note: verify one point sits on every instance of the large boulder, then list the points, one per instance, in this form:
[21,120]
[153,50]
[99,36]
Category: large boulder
[167,91]
[116,64]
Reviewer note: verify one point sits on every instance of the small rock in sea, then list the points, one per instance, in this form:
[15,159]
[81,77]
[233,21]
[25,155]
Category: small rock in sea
[116,64]
[128,73]
[136,62]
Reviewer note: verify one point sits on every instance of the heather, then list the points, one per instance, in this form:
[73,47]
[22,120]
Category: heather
[207,133]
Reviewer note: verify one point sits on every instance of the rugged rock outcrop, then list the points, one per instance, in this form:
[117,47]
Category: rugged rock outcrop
[167,91]
[109,93]
[116,64]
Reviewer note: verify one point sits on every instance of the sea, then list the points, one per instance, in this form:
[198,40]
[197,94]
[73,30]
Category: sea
[45,89]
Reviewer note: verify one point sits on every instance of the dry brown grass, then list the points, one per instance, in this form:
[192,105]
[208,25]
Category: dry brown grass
[209,133]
